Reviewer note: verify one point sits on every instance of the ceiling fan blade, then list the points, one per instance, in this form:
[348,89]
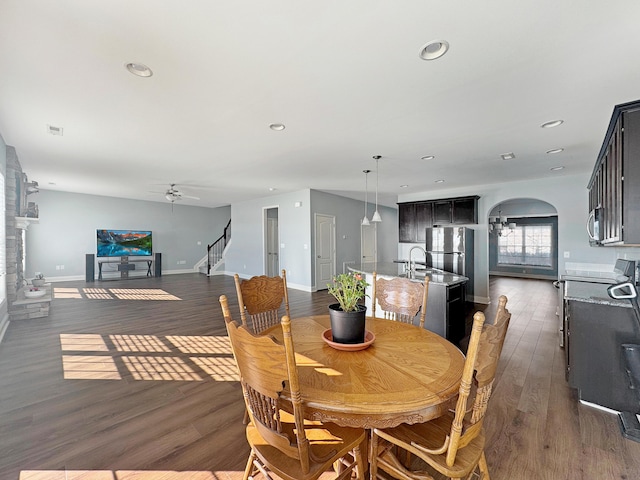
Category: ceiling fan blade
[189,196]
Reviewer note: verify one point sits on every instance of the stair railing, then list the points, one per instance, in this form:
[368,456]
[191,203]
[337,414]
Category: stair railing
[216,249]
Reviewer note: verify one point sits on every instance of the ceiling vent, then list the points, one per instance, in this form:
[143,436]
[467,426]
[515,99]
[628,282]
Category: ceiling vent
[54,130]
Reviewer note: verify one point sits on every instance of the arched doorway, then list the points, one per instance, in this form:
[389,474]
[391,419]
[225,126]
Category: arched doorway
[523,239]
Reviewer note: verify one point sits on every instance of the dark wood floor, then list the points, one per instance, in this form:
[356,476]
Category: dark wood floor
[135,379]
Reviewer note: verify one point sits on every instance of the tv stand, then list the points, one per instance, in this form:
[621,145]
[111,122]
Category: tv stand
[125,265]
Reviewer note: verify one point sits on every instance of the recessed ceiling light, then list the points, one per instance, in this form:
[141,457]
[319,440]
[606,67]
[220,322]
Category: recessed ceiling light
[551,124]
[272,189]
[555,150]
[428,157]
[439,181]
[556,169]
[434,49]
[139,69]
[404,186]
[276,126]
[508,156]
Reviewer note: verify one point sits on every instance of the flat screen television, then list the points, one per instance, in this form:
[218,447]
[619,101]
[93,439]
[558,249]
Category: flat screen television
[124,243]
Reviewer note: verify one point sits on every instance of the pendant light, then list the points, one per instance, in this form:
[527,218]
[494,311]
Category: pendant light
[376,216]
[365,220]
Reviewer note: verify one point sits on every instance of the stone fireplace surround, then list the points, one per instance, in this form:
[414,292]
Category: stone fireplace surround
[16,221]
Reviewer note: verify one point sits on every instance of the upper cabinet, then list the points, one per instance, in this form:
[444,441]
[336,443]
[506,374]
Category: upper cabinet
[614,187]
[415,217]
[413,220]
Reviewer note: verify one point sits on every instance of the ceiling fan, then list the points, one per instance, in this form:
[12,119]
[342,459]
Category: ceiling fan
[173,194]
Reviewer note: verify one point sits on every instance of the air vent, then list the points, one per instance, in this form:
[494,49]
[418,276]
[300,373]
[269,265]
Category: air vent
[54,130]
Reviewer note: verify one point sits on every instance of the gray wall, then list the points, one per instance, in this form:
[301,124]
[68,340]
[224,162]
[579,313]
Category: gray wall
[245,255]
[4,317]
[68,223]
[349,214]
[568,194]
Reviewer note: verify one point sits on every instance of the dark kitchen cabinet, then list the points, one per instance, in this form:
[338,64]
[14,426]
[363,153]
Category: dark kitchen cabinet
[614,187]
[442,211]
[595,365]
[465,210]
[415,217]
[455,211]
[456,323]
[446,311]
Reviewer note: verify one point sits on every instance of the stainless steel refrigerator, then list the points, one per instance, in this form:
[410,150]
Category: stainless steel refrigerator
[451,249]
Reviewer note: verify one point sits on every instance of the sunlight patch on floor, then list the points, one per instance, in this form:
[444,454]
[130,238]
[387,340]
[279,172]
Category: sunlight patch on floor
[124,475]
[160,368]
[99,293]
[87,367]
[220,369]
[201,344]
[138,343]
[82,343]
[177,357]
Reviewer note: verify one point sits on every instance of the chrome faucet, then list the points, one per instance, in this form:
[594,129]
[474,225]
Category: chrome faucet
[412,264]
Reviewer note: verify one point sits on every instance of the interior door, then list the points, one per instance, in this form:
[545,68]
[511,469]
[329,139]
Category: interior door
[272,258]
[368,243]
[325,241]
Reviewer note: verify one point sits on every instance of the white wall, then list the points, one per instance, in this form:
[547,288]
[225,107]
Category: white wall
[4,316]
[245,255]
[568,194]
[68,222]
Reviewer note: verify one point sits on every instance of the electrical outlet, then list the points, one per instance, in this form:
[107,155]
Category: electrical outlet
[567,254]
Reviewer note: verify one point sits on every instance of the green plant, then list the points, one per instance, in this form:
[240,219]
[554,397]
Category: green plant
[348,289]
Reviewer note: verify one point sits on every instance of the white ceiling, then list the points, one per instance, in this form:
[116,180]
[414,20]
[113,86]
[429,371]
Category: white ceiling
[343,76]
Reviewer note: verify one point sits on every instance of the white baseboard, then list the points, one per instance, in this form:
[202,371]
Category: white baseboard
[523,275]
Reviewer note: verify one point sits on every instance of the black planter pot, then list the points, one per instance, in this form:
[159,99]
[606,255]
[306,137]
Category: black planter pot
[347,327]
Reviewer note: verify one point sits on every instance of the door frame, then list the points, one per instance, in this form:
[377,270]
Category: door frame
[265,237]
[373,232]
[316,276]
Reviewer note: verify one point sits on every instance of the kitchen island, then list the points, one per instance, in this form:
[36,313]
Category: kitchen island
[446,301]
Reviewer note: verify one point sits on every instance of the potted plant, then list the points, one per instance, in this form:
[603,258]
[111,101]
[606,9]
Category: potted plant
[38,281]
[348,315]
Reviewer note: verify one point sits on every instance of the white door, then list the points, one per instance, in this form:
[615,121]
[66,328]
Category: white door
[271,243]
[368,243]
[325,250]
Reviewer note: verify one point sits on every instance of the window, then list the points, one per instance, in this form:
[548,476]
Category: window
[529,245]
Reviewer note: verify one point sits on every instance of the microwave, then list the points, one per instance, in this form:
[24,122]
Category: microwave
[595,226]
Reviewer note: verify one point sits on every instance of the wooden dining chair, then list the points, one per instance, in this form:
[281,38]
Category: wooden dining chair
[400,298]
[260,299]
[452,444]
[283,443]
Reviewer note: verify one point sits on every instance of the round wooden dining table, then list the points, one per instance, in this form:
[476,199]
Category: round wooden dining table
[408,375]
